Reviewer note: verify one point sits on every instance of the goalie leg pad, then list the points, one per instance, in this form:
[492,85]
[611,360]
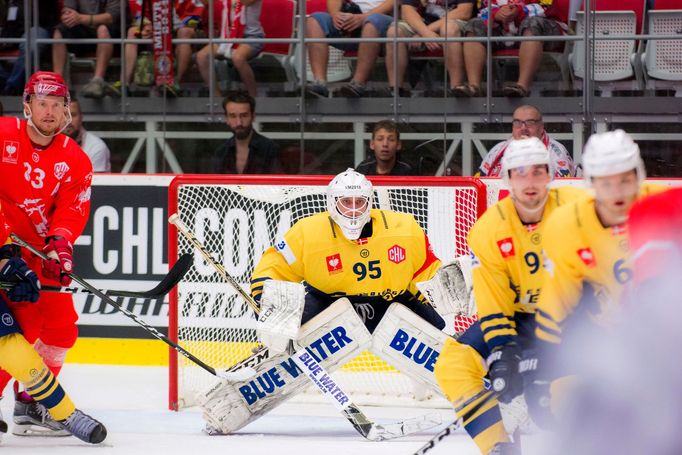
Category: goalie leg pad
[332,338]
[280,317]
[409,344]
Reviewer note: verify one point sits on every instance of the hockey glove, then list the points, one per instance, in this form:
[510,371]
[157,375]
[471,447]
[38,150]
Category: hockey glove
[503,369]
[536,383]
[60,264]
[27,287]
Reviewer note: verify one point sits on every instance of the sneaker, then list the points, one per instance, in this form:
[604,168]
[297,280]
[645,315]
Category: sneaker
[170,90]
[115,89]
[94,88]
[389,92]
[317,90]
[353,90]
[84,427]
[32,419]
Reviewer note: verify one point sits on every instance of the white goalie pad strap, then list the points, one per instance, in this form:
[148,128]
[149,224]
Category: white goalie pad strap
[333,337]
[409,344]
[515,417]
[282,304]
[449,291]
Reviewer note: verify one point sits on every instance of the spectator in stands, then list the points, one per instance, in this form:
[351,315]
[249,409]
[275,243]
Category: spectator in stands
[93,146]
[385,145]
[88,19]
[246,152]
[48,18]
[346,19]
[431,19]
[186,18]
[527,122]
[510,18]
[245,20]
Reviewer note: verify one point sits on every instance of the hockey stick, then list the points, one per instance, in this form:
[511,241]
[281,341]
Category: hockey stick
[367,428]
[174,275]
[175,220]
[149,329]
[454,426]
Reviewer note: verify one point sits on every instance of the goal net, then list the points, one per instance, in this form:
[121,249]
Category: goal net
[238,217]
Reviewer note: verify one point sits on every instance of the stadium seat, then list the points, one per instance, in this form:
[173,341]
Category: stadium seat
[614,60]
[662,59]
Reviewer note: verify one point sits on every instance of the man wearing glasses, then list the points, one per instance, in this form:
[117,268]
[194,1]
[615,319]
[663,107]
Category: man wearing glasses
[527,122]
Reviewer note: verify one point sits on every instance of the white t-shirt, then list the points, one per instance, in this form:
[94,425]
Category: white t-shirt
[98,152]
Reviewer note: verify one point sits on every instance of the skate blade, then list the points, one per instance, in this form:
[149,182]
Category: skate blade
[35,430]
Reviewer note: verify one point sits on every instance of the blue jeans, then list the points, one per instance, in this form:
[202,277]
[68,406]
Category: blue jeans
[380,21]
[15,78]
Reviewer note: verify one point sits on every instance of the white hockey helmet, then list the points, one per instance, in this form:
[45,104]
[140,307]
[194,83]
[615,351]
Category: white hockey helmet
[525,152]
[349,184]
[611,153]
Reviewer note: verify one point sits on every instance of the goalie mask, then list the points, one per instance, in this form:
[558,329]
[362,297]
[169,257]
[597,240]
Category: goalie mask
[42,84]
[611,153]
[523,154]
[349,201]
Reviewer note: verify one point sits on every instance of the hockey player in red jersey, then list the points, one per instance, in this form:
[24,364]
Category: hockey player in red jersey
[46,193]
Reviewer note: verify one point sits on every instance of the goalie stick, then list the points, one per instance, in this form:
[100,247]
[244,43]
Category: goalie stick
[363,425]
[174,275]
[105,298]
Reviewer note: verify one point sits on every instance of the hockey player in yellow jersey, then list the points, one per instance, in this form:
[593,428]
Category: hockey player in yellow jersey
[373,257]
[586,260]
[506,259]
[21,361]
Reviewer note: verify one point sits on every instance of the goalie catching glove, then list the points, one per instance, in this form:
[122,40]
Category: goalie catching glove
[449,291]
[281,308]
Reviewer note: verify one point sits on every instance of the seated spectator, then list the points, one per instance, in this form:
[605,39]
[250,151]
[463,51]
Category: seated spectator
[431,19]
[186,19]
[48,17]
[510,18]
[88,19]
[246,152]
[385,145]
[245,20]
[93,146]
[527,122]
[345,19]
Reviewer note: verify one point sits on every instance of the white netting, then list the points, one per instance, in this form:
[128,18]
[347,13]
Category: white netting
[238,222]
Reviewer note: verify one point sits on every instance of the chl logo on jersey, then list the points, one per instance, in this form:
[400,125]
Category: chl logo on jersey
[587,256]
[334,264]
[506,247]
[10,152]
[396,254]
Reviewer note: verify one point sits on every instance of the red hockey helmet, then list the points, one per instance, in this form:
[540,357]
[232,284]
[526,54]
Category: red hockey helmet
[46,83]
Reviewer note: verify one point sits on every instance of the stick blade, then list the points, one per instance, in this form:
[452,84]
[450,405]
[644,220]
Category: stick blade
[387,431]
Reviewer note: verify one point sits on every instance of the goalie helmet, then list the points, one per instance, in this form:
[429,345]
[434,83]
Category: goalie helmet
[349,201]
[523,153]
[611,153]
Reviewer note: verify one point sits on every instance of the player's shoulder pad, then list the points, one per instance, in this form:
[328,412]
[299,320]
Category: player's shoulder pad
[649,188]
[389,219]
[564,194]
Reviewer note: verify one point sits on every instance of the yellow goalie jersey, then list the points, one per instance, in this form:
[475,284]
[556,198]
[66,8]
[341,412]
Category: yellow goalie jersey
[507,264]
[383,266]
[579,250]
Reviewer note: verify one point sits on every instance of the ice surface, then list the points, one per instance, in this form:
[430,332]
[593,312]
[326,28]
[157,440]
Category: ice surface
[132,403]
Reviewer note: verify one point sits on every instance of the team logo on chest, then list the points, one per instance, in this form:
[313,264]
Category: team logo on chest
[334,264]
[396,254]
[587,256]
[506,247]
[10,152]
[60,169]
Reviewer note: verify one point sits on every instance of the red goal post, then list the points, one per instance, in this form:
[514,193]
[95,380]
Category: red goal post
[238,217]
